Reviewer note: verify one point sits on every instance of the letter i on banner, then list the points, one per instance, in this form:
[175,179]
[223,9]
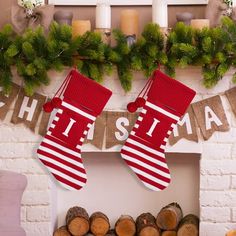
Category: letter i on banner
[186,128]
[27,109]
[210,116]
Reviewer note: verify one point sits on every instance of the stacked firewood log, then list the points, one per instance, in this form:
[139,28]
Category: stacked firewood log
[231,233]
[168,222]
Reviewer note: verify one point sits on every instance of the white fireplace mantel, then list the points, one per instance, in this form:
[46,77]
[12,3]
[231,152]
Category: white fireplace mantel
[217,163]
[217,154]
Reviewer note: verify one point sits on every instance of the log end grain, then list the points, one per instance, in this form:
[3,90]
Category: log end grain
[125,226]
[189,225]
[149,231]
[78,226]
[188,230]
[99,224]
[62,231]
[146,225]
[167,220]
[169,217]
[169,233]
[77,220]
[231,233]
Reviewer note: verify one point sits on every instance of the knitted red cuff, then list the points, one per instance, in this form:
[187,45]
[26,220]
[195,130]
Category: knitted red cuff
[171,93]
[86,93]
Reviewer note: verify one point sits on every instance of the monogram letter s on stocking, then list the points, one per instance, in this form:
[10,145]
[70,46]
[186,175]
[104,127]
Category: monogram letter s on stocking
[167,100]
[60,150]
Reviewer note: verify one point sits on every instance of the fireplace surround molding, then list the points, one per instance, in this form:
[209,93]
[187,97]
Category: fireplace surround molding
[217,176]
[217,163]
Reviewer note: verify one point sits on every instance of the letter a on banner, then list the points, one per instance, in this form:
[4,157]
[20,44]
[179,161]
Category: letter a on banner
[210,116]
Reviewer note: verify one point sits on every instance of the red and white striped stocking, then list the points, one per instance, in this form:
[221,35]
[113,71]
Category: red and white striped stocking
[167,100]
[60,150]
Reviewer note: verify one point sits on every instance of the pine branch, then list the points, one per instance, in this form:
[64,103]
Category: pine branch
[34,53]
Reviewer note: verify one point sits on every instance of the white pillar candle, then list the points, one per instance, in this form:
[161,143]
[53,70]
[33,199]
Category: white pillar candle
[234,3]
[103,15]
[160,13]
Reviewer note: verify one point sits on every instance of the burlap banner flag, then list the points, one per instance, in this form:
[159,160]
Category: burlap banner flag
[231,95]
[6,101]
[119,125]
[210,116]
[112,128]
[96,133]
[27,109]
[44,122]
[186,128]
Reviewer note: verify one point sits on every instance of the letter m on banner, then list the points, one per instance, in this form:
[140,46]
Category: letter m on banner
[185,129]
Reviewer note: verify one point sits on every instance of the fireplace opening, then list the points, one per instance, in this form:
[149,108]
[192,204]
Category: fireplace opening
[115,190]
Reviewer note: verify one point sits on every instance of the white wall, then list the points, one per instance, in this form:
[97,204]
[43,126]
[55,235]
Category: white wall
[217,166]
[115,190]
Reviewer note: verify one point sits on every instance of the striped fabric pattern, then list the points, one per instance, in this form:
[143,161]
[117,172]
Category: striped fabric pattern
[61,159]
[147,159]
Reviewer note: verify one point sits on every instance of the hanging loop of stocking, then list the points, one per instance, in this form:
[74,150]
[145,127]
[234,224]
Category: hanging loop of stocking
[141,98]
[56,100]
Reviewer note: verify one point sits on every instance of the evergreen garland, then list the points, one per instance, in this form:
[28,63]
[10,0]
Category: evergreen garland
[34,53]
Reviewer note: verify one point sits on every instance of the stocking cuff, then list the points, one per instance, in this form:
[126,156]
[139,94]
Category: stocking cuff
[171,93]
[86,93]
